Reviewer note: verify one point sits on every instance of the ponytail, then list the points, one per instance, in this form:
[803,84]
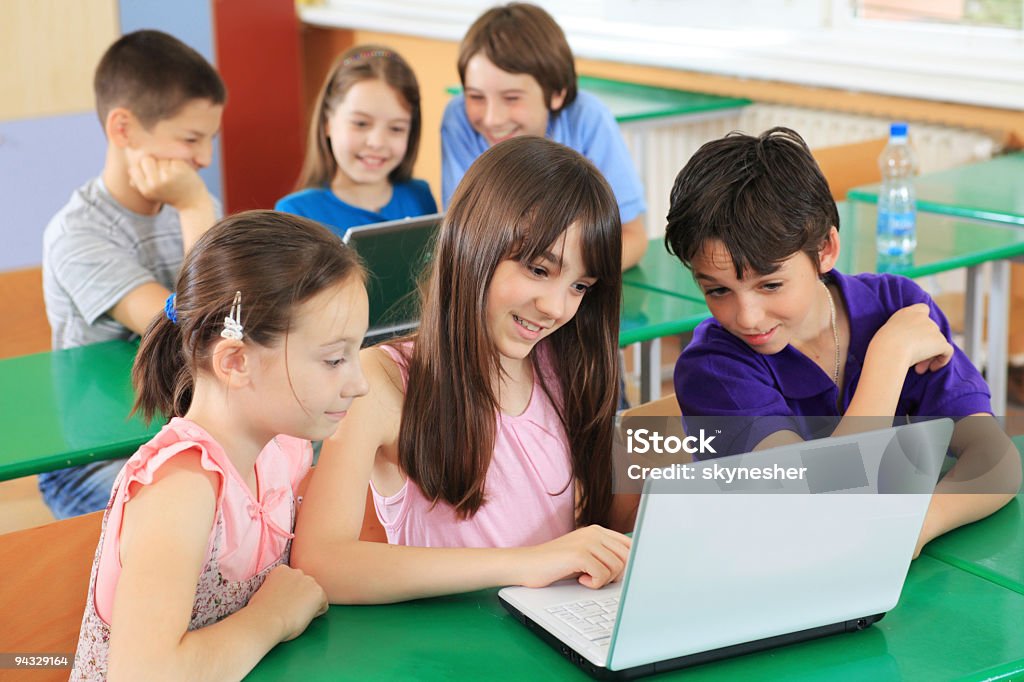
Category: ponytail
[160,376]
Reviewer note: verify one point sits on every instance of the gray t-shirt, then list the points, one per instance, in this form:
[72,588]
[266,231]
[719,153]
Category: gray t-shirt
[95,251]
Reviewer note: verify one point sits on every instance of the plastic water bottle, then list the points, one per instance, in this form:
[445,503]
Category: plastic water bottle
[897,208]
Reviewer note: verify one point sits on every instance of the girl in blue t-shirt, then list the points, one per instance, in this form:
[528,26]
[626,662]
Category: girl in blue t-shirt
[793,341]
[362,145]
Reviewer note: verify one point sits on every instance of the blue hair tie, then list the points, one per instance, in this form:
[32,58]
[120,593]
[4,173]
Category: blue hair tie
[169,310]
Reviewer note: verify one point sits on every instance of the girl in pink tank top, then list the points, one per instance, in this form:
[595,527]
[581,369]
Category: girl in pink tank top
[255,354]
[486,437]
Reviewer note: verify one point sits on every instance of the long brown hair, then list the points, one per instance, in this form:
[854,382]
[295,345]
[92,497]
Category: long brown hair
[360,63]
[276,260]
[513,203]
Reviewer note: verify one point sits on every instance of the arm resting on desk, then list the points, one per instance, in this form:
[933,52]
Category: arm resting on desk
[986,477]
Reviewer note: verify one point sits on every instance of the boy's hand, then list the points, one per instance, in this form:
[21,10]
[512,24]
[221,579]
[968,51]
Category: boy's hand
[169,181]
[910,332]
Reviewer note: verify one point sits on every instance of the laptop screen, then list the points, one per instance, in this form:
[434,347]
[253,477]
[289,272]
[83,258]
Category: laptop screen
[395,253]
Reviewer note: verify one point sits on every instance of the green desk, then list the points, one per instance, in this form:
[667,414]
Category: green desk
[662,272]
[948,624]
[68,407]
[646,316]
[633,103]
[943,243]
[991,190]
[992,548]
[636,105]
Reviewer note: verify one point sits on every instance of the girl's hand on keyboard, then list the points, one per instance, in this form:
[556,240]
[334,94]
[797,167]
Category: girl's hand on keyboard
[596,555]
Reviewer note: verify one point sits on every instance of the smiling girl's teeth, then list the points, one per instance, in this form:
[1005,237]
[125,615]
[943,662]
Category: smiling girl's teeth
[524,324]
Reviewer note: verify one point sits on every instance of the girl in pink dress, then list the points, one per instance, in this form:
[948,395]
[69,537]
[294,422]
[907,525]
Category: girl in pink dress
[486,438]
[256,354]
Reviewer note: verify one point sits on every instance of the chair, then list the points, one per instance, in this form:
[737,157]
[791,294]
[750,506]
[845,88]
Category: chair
[666,406]
[26,329]
[43,593]
[846,166]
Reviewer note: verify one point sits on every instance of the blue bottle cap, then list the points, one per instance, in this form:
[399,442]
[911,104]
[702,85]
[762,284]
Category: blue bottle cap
[898,130]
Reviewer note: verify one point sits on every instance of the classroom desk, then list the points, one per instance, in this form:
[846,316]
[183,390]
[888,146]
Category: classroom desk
[992,190]
[949,624]
[648,315]
[943,243]
[637,105]
[953,621]
[68,407]
[992,548]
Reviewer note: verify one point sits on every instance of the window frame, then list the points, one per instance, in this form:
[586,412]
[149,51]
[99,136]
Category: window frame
[968,65]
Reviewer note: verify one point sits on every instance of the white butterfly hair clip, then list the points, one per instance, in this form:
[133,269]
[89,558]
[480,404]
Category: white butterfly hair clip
[233,322]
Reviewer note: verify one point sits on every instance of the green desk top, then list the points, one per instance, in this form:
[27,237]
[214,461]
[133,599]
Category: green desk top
[948,624]
[992,548]
[71,407]
[633,102]
[661,271]
[648,314]
[68,407]
[943,243]
[991,190]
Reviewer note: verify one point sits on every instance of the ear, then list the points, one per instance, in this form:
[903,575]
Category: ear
[121,127]
[829,253]
[232,363]
[557,100]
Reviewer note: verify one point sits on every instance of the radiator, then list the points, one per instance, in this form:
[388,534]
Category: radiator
[660,151]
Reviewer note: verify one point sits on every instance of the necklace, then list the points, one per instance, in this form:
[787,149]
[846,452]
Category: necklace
[835,332]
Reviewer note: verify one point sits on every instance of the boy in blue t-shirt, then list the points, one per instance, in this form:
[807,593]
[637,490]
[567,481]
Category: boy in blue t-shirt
[793,341]
[519,78]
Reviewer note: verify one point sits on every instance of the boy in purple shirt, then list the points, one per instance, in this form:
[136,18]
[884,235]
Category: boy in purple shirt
[795,345]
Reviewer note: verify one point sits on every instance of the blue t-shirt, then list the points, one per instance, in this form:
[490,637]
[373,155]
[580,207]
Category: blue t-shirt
[586,125]
[408,199]
[720,379]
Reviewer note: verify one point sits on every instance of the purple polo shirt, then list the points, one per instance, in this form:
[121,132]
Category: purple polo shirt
[720,377]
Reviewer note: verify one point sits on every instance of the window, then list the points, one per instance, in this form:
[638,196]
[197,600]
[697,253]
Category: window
[969,51]
[1005,14]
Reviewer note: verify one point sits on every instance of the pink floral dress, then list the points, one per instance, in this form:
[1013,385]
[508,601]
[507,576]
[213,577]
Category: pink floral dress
[249,536]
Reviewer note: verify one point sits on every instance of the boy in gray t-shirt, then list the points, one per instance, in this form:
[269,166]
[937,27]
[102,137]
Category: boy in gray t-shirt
[113,252]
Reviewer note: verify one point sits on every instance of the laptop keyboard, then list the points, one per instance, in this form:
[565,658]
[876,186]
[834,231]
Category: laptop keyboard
[592,618]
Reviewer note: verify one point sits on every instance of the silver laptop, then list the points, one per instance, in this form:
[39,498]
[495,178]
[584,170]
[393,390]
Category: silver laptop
[396,253]
[724,567]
